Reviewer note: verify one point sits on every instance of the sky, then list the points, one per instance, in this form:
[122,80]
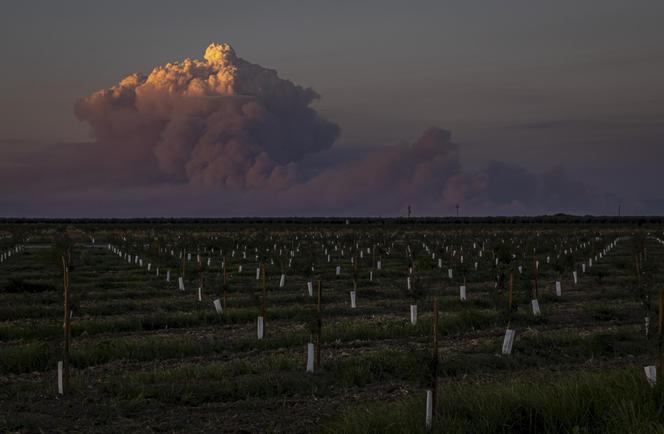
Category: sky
[511,107]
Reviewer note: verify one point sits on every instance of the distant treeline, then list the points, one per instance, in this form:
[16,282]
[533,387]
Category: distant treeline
[520,220]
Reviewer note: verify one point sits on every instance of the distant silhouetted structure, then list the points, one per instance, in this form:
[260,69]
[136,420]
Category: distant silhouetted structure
[457,209]
[409,211]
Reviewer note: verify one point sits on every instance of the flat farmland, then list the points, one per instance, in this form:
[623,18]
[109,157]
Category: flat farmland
[165,336]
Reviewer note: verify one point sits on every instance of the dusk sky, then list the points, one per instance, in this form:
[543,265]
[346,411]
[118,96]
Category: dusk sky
[506,108]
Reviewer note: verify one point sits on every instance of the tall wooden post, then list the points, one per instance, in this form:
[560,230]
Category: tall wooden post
[263,292]
[536,283]
[373,254]
[66,325]
[225,286]
[434,356]
[319,323]
[355,274]
[660,327]
[509,300]
[201,277]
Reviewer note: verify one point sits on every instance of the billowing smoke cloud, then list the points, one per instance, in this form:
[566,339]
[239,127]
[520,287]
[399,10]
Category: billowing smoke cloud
[426,174]
[225,137]
[221,121]
[227,124]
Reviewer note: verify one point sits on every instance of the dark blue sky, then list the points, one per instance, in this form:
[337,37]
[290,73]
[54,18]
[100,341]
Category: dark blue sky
[537,84]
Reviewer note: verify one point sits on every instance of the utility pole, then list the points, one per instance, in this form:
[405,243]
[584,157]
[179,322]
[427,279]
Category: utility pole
[457,209]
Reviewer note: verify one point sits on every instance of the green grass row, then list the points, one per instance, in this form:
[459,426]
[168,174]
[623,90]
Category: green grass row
[617,402]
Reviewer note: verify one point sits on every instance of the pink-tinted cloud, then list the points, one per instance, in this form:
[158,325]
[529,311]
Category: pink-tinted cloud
[218,122]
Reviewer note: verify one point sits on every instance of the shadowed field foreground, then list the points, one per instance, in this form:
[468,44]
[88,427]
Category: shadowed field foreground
[148,356]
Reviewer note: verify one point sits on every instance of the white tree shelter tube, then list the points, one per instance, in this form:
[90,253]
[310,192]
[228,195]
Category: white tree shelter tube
[536,307]
[260,327]
[60,385]
[217,306]
[413,314]
[651,375]
[310,357]
[508,341]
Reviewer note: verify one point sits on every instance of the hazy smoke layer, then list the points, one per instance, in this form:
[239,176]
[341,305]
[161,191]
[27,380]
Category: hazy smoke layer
[426,175]
[221,121]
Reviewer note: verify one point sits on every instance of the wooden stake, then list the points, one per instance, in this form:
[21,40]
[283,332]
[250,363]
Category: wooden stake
[201,278]
[660,323]
[67,327]
[434,356]
[536,283]
[319,324]
[660,326]
[263,292]
[225,286]
[509,294]
[509,300]
[355,275]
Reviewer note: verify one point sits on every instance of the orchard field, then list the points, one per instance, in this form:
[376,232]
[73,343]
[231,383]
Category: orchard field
[331,326]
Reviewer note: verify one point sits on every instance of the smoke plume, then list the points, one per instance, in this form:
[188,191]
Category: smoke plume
[225,137]
[221,121]
[426,174]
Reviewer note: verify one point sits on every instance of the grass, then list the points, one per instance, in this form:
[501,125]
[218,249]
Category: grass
[34,356]
[271,375]
[611,402]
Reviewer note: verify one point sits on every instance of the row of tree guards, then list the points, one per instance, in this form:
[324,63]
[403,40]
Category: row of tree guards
[314,347]
[9,252]
[509,338]
[510,334]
